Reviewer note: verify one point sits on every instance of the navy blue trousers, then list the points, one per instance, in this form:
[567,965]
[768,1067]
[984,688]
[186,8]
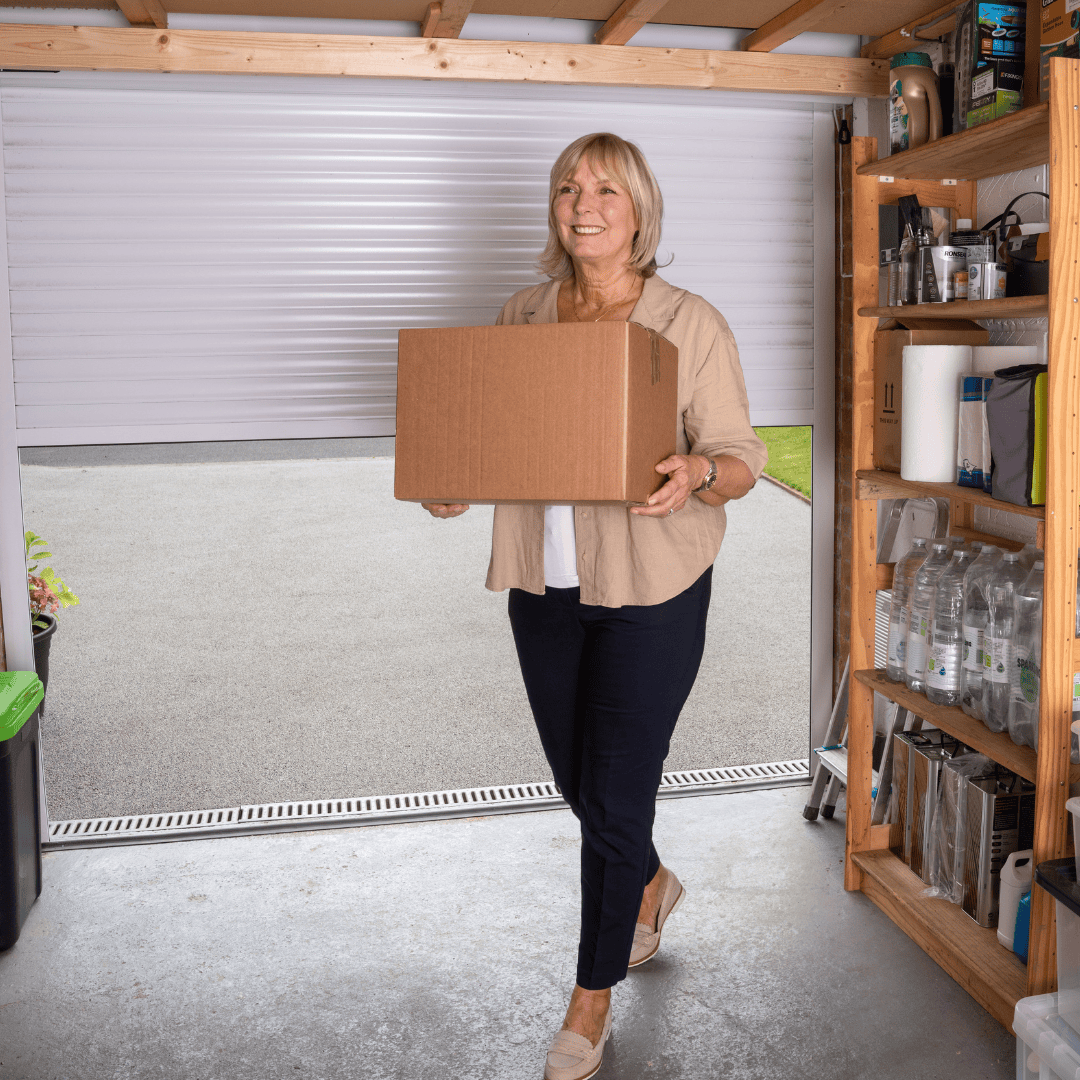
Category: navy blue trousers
[606,686]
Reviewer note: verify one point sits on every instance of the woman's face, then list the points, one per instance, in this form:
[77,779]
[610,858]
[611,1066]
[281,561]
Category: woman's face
[595,216]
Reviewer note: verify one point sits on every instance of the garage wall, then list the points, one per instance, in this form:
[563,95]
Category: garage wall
[231,258]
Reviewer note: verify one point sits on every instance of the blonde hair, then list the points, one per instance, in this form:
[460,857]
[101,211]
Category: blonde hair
[626,164]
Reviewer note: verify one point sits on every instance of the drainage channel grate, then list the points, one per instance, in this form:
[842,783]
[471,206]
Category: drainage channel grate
[384,809]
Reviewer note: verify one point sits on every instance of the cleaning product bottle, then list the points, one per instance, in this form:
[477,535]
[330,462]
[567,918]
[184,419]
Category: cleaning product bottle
[1015,880]
[914,105]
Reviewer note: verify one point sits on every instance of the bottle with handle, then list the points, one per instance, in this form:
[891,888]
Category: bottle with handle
[914,104]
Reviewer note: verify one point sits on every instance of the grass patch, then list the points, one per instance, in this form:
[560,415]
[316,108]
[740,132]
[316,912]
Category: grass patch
[789,455]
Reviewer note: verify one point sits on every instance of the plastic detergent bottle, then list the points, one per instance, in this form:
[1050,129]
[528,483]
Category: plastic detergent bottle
[975,613]
[920,614]
[946,646]
[914,105]
[1025,666]
[903,576]
[997,643]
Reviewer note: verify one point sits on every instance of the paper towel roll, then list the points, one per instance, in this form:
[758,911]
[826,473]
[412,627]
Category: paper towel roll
[929,401]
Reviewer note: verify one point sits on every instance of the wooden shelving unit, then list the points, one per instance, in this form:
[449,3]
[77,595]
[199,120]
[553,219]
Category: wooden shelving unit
[1036,135]
[1009,307]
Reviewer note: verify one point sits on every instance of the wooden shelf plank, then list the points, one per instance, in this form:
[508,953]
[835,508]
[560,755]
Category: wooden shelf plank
[971,954]
[1020,140]
[877,484]
[1009,307]
[974,733]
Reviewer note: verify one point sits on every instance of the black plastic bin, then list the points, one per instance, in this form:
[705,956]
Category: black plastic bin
[20,846]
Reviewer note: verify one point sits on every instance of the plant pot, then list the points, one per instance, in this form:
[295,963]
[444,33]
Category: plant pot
[42,644]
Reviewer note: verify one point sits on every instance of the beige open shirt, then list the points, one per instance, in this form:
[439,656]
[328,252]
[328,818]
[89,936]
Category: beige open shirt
[624,558]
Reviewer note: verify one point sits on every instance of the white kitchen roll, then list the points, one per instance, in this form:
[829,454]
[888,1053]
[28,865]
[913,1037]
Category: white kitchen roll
[928,413]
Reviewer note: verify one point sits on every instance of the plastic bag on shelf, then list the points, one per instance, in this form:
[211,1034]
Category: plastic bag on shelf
[947,828]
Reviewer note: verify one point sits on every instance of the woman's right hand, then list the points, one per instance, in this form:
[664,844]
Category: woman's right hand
[445,510]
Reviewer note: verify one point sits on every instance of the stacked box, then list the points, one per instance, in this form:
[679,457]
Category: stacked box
[1059,35]
[990,60]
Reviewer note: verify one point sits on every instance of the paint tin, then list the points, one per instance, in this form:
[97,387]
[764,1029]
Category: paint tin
[947,262]
[986,281]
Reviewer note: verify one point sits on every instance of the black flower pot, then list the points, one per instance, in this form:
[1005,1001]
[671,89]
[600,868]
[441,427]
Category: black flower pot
[42,644]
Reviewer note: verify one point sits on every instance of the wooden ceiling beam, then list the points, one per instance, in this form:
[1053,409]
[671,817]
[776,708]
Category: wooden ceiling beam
[99,48]
[445,18]
[907,37]
[144,13]
[630,17]
[800,17]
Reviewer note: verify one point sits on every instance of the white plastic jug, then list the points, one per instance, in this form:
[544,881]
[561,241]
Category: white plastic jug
[1015,881]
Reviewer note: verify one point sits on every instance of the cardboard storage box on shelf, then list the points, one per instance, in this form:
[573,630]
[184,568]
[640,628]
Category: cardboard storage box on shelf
[889,344]
[1059,35]
[550,413]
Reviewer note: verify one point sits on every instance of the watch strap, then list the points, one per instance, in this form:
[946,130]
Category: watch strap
[710,477]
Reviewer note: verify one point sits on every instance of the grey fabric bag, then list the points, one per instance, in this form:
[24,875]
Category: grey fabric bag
[1010,418]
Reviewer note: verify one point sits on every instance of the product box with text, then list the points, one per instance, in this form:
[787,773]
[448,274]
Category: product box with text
[1059,35]
[549,413]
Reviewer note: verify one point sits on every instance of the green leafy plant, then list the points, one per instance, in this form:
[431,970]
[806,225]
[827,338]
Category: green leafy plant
[47,592]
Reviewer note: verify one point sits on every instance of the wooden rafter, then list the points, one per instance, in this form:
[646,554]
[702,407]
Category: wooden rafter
[630,17]
[800,17]
[445,18]
[88,48]
[930,27]
[144,13]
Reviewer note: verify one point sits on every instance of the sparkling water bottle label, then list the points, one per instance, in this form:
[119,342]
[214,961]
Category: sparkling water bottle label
[916,647]
[943,666]
[1076,693]
[996,656]
[973,648]
[1025,682]
[894,645]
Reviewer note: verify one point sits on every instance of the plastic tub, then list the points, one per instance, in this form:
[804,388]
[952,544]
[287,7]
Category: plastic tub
[1058,878]
[1046,1047]
[20,849]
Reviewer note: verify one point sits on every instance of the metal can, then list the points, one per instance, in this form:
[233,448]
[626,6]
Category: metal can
[986,281]
[960,285]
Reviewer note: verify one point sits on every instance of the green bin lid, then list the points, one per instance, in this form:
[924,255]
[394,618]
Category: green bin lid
[20,694]
[911,59]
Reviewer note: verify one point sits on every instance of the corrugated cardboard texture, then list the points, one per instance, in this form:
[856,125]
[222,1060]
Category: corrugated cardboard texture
[888,373]
[551,413]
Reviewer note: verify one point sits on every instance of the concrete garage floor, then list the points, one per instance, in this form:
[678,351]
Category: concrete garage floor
[445,950]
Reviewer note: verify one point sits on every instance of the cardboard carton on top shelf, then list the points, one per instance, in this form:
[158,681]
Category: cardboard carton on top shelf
[1059,35]
[889,342]
[544,413]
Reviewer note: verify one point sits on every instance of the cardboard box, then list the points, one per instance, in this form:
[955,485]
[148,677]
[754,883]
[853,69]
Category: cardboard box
[545,413]
[1059,35]
[889,345]
[989,44]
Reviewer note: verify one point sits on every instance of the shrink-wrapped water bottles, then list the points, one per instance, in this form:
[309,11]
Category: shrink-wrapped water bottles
[975,613]
[920,613]
[946,645]
[997,642]
[1025,668]
[903,577]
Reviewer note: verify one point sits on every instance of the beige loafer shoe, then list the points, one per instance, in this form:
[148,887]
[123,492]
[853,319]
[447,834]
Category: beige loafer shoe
[573,1057]
[646,939]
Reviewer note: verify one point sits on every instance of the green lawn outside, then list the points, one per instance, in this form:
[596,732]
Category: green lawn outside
[789,455]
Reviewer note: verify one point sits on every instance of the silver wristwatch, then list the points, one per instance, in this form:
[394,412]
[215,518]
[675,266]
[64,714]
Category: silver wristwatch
[710,479]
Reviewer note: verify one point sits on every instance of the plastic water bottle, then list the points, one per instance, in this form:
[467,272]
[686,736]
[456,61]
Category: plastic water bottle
[971,685]
[1028,554]
[946,646]
[997,643]
[903,576]
[1025,668]
[920,614]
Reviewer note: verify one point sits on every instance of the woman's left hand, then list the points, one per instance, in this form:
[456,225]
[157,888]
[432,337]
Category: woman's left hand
[685,472]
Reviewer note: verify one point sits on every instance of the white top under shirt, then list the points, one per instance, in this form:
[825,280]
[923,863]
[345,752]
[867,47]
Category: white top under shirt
[560,548]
